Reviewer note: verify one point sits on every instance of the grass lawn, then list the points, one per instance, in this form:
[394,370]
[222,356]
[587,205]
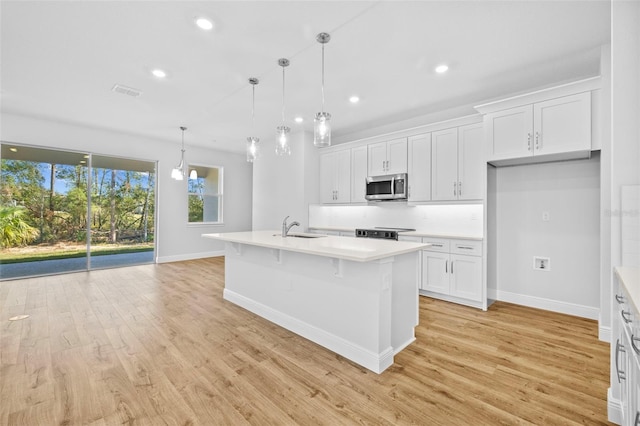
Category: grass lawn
[63,251]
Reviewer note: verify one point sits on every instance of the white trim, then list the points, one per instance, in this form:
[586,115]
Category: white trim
[614,409]
[586,85]
[374,362]
[189,256]
[604,333]
[546,304]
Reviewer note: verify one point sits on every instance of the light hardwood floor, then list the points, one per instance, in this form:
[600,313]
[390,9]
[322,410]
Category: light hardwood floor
[157,344]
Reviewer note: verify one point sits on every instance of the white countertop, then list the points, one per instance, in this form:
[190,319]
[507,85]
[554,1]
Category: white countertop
[629,277]
[348,248]
[416,233]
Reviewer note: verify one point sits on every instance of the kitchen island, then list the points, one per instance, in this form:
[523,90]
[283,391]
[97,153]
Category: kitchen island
[355,296]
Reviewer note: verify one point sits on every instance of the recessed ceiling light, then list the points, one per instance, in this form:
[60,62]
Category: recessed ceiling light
[204,24]
[13,149]
[298,119]
[440,69]
[354,99]
[159,73]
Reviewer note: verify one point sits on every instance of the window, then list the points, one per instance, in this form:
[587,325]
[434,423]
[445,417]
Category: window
[205,194]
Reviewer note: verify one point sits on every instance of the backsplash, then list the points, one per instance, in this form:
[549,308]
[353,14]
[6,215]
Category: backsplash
[458,219]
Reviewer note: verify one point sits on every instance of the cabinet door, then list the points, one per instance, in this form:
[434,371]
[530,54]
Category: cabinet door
[444,165]
[419,167]
[358,174]
[343,176]
[466,277]
[435,272]
[397,156]
[327,179]
[471,163]
[510,133]
[377,159]
[562,124]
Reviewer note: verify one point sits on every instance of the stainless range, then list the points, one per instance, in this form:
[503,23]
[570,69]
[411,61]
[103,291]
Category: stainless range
[382,233]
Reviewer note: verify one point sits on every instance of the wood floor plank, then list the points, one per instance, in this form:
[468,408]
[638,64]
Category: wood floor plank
[157,344]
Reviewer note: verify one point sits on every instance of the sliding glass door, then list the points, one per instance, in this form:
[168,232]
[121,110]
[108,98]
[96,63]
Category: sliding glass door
[63,211]
[122,211]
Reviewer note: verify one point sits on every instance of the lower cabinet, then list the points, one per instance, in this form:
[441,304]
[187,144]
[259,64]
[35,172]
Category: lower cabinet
[625,365]
[453,268]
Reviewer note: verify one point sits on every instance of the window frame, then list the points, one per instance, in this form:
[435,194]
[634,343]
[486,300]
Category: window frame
[220,193]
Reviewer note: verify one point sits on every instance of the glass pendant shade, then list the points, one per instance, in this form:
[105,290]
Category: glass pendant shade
[177,174]
[282,141]
[322,130]
[253,149]
[193,175]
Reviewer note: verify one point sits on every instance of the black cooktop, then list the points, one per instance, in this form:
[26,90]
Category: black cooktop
[386,233]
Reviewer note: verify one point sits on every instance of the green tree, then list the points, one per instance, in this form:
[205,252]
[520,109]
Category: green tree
[15,230]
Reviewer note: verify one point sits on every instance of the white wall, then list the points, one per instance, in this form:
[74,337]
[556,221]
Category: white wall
[285,185]
[176,240]
[570,192]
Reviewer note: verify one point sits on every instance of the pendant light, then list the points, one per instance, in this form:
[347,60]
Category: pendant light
[193,175]
[178,172]
[322,124]
[282,138]
[253,149]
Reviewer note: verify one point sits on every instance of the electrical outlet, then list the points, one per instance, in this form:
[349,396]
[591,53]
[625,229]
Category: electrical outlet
[546,217]
[541,263]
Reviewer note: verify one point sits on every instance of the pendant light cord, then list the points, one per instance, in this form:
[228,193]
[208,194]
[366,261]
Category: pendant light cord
[253,108]
[323,77]
[283,95]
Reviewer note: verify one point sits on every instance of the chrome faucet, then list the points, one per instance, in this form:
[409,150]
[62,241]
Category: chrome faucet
[286,228]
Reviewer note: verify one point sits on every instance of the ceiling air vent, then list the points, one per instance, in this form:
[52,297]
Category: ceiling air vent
[119,88]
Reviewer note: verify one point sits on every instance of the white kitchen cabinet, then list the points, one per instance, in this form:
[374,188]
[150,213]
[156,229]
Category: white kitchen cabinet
[551,129]
[335,177]
[386,158]
[625,350]
[452,267]
[457,165]
[358,174]
[419,167]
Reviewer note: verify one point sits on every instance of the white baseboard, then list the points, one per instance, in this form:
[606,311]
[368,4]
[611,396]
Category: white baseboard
[189,256]
[546,304]
[614,409]
[371,360]
[604,334]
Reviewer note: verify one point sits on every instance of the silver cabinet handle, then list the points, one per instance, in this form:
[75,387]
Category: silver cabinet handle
[437,245]
[538,143]
[454,188]
[619,299]
[445,266]
[460,189]
[409,191]
[528,141]
[634,339]
[465,248]
[624,316]
[621,374]
[452,262]
[636,422]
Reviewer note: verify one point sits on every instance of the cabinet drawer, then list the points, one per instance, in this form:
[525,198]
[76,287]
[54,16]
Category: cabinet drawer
[411,239]
[470,247]
[437,244]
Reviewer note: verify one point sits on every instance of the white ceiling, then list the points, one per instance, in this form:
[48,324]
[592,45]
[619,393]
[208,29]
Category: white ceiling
[60,59]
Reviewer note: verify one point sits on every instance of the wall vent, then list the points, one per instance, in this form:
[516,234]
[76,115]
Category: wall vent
[130,91]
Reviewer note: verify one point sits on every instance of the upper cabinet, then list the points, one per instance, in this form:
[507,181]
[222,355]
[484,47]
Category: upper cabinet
[335,177]
[554,129]
[419,168]
[358,174]
[386,158]
[457,165]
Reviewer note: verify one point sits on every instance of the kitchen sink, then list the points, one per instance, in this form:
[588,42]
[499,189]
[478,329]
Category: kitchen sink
[300,235]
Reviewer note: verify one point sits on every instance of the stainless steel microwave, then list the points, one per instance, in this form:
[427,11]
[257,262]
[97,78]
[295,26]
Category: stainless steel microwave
[387,187]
